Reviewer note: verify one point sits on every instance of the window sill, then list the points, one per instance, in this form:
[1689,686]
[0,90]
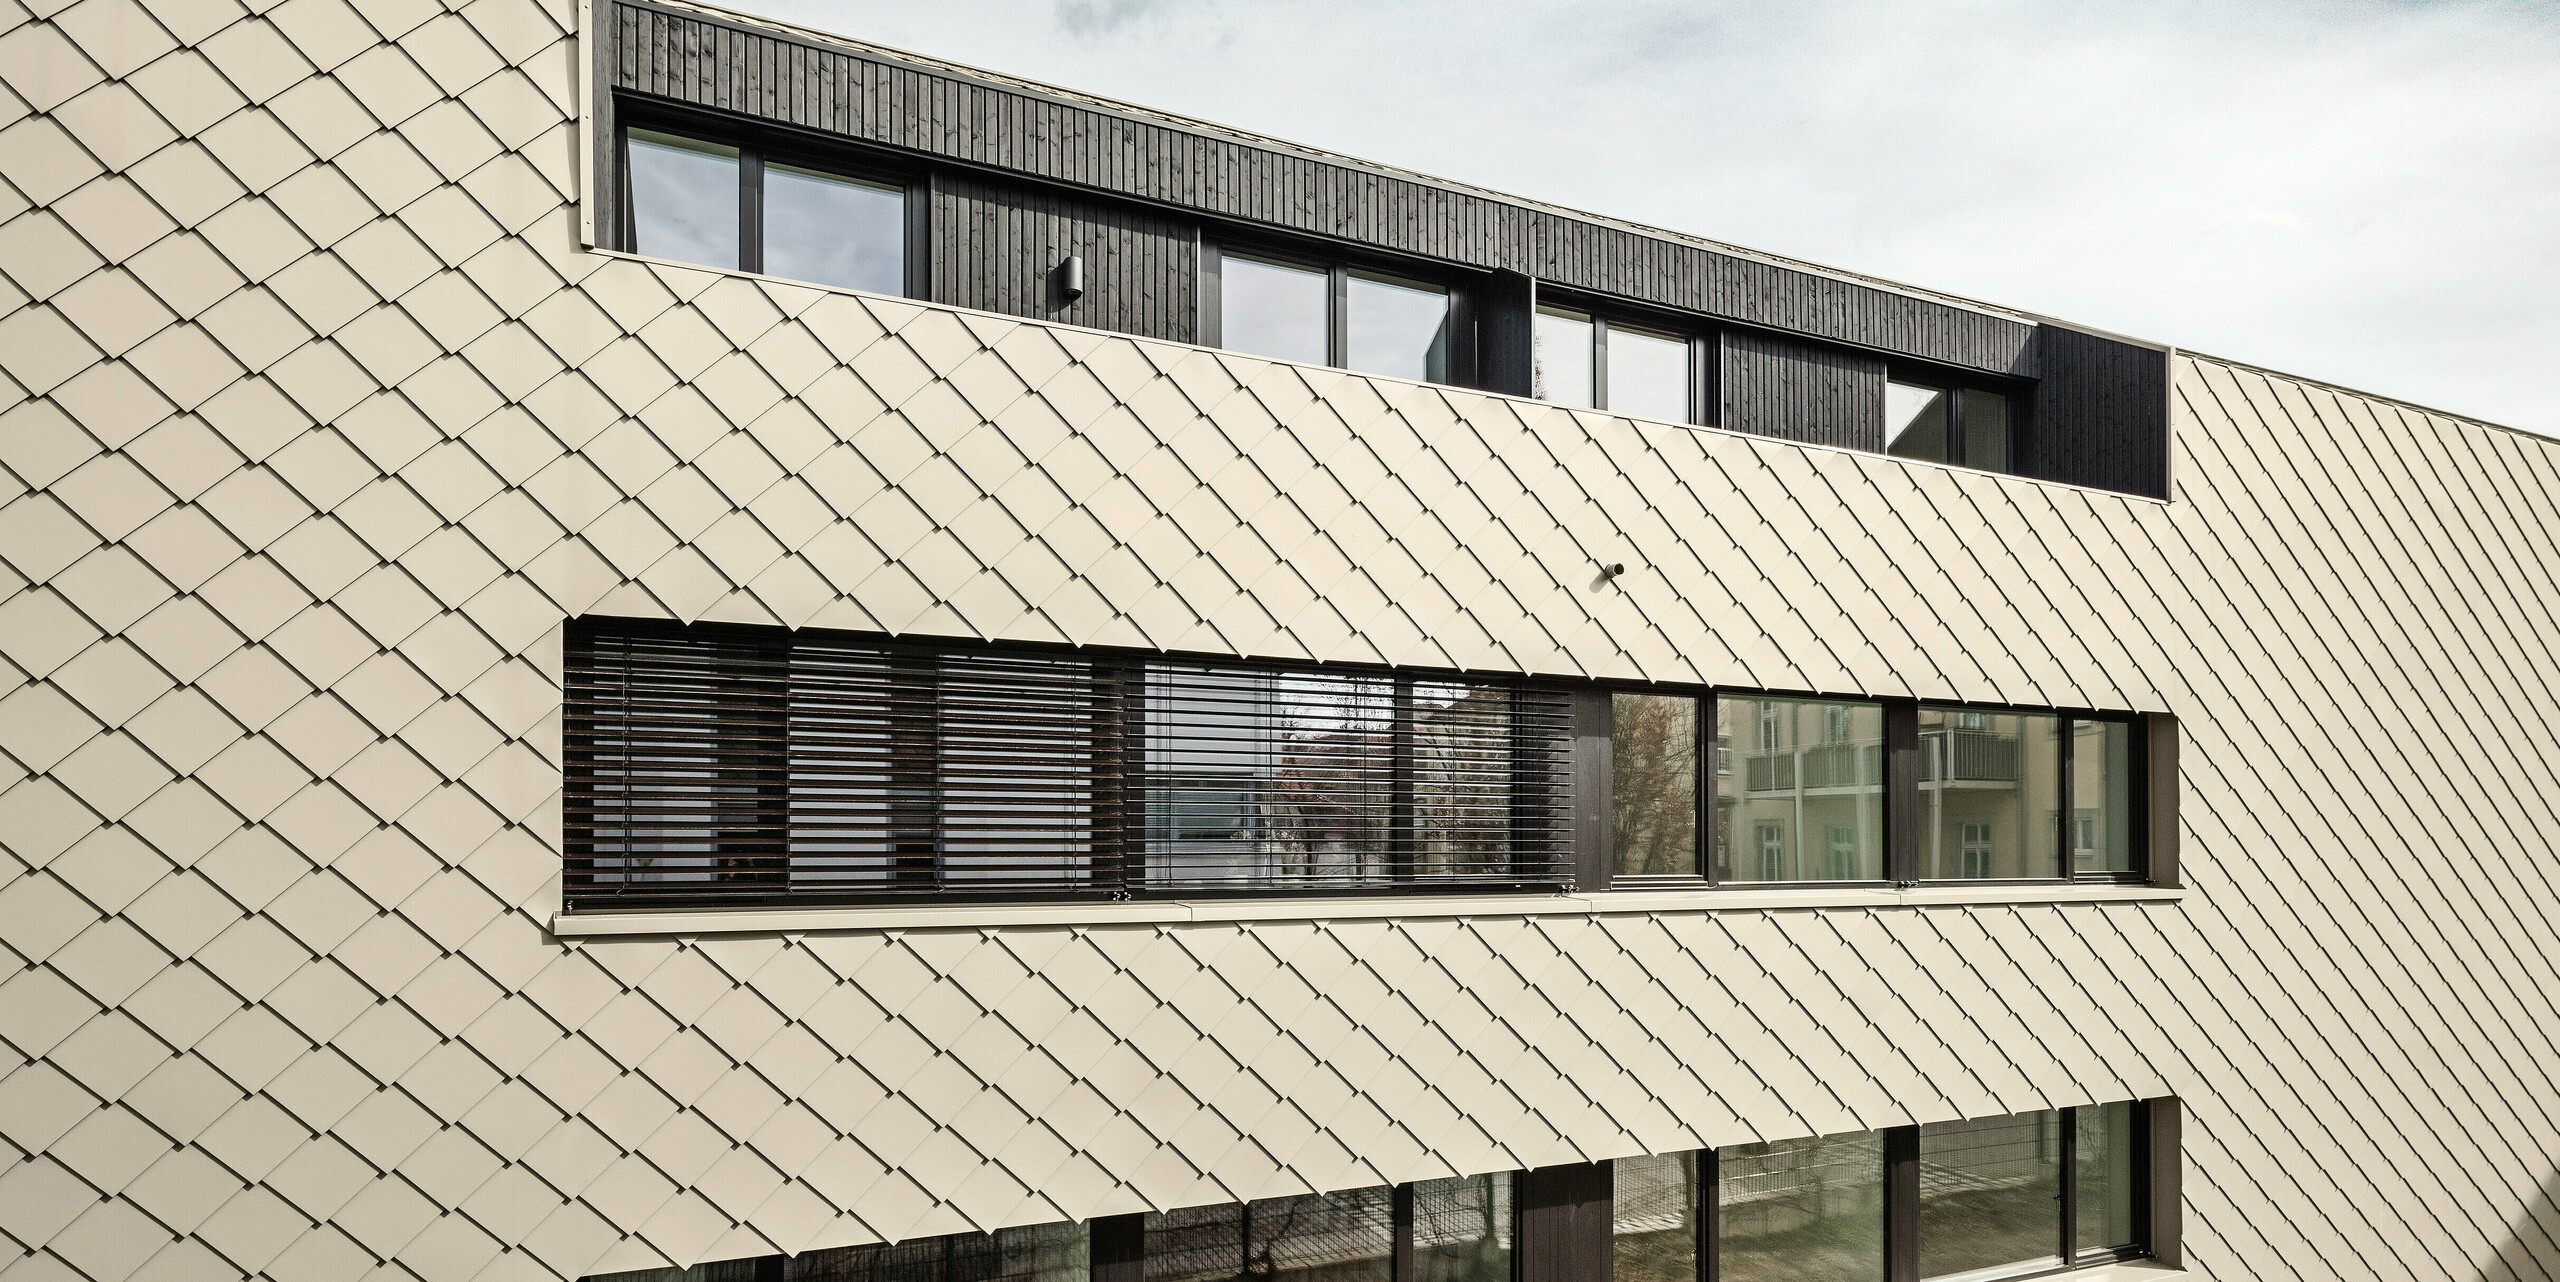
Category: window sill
[928,916]
[2128,1271]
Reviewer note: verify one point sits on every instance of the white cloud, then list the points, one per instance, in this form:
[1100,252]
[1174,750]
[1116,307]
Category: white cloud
[2358,191]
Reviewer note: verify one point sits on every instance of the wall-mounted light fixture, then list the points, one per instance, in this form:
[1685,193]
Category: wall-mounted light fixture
[1071,278]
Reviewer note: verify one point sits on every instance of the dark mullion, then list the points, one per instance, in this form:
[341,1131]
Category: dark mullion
[1400,1211]
[1705,791]
[750,210]
[2146,1234]
[1955,425]
[2067,1154]
[2066,863]
[1902,1204]
[2137,838]
[1705,380]
[625,232]
[1901,791]
[1710,1210]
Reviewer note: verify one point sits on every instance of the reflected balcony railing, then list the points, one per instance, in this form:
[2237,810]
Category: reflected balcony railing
[1968,756]
[1830,765]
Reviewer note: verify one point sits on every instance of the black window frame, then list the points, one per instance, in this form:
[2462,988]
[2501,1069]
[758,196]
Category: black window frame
[1338,265]
[1562,1219]
[1953,383]
[1716,762]
[1608,312]
[757,146]
[745,860]
[2065,741]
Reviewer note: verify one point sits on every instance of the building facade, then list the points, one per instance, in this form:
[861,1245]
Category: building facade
[645,645]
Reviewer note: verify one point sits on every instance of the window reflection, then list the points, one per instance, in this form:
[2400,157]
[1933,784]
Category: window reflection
[1648,374]
[1653,1220]
[1808,798]
[1986,430]
[1275,309]
[1462,1229]
[1806,1210]
[1398,328]
[1990,1196]
[832,230]
[1915,422]
[1987,788]
[684,199]
[2103,1155]
[1562,350]
[1653,804]
[2102,796]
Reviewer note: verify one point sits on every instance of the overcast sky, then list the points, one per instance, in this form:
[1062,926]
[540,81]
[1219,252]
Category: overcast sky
[2362,192]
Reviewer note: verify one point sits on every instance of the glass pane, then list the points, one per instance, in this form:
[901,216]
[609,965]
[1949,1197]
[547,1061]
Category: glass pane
[1809,1210]
[1562,349]
[1648,375]
[1399,328]
[2102,796]
[1194,1244]
[1462,1229]
[1462,747]
[2104,1154]
[835,231]
[1987,788]
[1653,1221]
[1282,779]
[1322,1237]
[1807,789]
[1653,798]
[1991,1196]
[1915,422]
[1274,309]
[684,199]
[1986,430]
[1043,1253]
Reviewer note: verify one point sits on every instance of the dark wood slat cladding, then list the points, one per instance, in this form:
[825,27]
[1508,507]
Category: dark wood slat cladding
[708,63]
[2101,416]
[997,247]
[1776,386]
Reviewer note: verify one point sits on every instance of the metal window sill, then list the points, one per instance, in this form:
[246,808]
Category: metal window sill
[2127,1271]
[1651,900]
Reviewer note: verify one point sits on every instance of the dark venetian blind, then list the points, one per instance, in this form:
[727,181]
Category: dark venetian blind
[737,766]
[732,766]
[1317,779]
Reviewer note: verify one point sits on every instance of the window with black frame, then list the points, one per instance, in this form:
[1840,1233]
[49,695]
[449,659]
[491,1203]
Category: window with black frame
[1589,361]
[1325,313]
[1807,794]
[1993,785]
[1966,426]
[732,205]
[1797,790]
[1955,1201]
[736,765]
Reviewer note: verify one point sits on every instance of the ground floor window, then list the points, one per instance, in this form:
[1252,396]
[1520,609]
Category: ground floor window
[1970,1200]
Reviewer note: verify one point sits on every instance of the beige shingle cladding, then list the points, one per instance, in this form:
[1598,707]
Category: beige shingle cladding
[319,422]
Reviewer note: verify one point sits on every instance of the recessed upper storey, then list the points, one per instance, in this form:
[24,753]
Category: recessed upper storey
[755,148]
